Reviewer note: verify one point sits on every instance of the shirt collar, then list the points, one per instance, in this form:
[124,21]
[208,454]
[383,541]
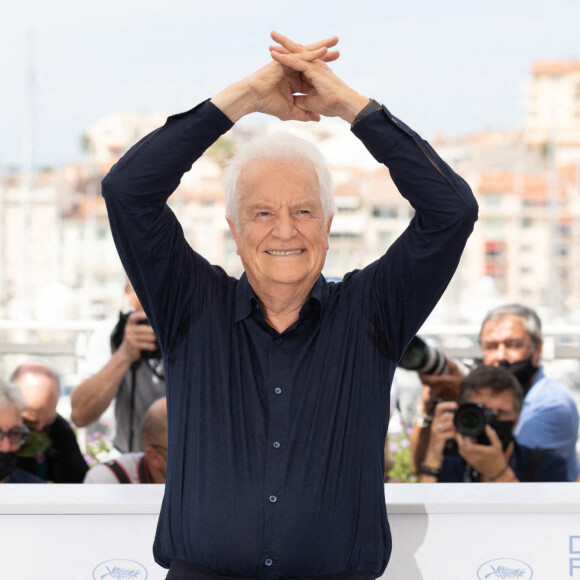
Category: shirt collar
[246,300]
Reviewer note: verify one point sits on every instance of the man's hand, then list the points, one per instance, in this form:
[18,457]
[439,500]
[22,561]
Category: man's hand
[271,89]
[321,92]
[489,460]
[137,337]
[442,429]
[444,387]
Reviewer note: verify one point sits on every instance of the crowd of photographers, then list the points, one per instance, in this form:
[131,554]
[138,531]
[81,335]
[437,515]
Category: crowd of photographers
[501,420]
[123,367]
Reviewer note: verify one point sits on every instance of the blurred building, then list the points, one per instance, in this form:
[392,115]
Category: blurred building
[525,247]
[553,112]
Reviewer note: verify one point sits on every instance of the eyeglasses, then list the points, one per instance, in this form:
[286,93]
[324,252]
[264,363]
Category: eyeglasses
[16,436]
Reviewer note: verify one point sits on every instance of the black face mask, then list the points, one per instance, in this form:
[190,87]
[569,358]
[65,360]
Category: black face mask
[7,463]
[523,370]
[504,432]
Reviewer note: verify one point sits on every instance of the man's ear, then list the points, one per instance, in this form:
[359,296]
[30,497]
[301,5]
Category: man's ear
[537,353]
[328,231]
[234,230]
[153,456]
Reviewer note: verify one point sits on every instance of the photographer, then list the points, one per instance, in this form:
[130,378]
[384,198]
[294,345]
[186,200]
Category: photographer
[511,337]
[494,456]
[122,364]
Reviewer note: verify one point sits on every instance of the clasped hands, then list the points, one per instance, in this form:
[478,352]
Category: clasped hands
[296,85]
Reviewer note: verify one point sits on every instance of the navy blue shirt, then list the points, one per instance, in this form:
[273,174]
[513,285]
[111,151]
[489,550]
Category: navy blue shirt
[21,476]
[527,464]
[275,464]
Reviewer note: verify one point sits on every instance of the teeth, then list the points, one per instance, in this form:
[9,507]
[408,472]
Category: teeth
[284,252]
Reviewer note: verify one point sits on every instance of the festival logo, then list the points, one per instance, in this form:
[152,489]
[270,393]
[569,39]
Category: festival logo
[120,570]
[505,568]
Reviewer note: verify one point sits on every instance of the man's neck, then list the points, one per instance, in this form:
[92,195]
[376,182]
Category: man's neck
[282,303]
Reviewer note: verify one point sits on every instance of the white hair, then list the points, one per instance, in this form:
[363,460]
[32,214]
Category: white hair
[10,396]
[282,146]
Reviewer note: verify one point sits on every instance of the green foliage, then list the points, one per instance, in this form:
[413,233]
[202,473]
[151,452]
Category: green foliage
[99,443]
[399,450]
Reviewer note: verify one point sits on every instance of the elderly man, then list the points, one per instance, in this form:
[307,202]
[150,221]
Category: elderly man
[511,336]
[495,455]
[278,383]
[13,433]
[51,451]
[148,466]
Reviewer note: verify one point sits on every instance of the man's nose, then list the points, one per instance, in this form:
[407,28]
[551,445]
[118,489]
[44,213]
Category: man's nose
[5,445]
[285,227]
[498,355]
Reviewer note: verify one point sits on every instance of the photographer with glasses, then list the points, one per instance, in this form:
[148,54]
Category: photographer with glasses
[473,440]
[13,433]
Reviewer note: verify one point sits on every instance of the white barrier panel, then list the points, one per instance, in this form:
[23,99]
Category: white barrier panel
[440,531]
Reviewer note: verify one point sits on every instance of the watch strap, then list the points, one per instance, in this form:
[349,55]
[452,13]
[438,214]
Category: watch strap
[369,108]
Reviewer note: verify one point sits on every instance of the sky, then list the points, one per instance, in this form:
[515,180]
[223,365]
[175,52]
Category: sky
[451,67]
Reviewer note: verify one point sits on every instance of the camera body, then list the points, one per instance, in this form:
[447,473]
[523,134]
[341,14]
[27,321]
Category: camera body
[470,420]
[119,331]
[423,358]
[147,354]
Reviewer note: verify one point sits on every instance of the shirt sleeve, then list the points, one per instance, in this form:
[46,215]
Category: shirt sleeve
[161,265]
[407,282]
[552,468]
[552,428]
[98,351]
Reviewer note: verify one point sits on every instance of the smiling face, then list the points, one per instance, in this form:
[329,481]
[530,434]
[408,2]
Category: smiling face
[281,232]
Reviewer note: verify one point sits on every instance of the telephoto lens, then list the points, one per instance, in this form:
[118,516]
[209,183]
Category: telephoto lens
[423,358]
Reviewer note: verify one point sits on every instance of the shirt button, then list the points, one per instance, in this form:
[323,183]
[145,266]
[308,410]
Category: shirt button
[268,562]
[276,445]
[278,390]
[273,498]
[279,340]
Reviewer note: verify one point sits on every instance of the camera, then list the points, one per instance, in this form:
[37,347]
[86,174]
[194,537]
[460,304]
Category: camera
[146,354]
[119,331]
[470,420]
[423,358]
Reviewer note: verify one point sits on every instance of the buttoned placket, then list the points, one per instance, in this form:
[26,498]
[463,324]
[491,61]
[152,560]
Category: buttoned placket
[276,457]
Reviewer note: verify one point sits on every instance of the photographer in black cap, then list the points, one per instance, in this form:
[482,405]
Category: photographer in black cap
[473,441]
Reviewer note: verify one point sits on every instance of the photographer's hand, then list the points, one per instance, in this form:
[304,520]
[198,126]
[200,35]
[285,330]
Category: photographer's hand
[442,429]
[490,461]
[446,386]
[137,337]
[91,397]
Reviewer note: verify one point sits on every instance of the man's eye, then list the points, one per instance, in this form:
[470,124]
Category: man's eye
[263,213]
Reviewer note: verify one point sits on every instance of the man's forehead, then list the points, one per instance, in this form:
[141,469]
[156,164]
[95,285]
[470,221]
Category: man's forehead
[508,325]
[488,397]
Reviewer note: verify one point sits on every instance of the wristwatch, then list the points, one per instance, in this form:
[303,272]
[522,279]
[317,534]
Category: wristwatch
[424,420]
[371,107]
[426,470]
